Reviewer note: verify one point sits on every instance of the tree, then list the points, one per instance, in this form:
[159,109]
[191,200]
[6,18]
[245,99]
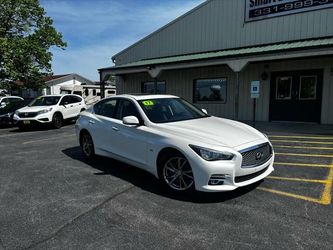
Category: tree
[26,35]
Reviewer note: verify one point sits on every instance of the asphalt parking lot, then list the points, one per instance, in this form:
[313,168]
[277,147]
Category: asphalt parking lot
[52,198]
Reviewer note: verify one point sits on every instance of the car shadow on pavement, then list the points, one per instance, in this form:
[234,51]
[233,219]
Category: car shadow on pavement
[38,127]
[148,182]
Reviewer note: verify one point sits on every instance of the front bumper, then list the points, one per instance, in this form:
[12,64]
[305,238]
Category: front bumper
[38,119]
[230,173]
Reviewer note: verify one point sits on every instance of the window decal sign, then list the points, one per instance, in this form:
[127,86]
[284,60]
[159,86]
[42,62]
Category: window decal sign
[148,103]
[262,9]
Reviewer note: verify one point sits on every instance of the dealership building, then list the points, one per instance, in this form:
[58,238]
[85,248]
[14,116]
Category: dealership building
[212,55]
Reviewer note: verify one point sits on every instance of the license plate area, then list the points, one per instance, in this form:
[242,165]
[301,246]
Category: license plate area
[26,122]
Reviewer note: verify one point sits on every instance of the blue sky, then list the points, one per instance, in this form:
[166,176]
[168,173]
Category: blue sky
[95,30]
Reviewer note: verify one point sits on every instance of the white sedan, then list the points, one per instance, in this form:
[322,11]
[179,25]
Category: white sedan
[180,144]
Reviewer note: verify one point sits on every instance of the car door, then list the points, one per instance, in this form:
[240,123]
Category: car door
[131,141]
[64,107]
[101,124]
[75,105]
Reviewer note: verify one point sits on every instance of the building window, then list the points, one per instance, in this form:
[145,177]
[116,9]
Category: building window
[308,88]
[210,90]
[153,87]
[283,88]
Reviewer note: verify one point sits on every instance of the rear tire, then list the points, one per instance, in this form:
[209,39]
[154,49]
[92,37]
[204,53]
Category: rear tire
[57,120]
[175,173]
[87,145]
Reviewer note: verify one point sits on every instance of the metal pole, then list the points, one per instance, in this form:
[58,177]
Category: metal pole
[102,85]
[155,85]
[237,96]
[254,112]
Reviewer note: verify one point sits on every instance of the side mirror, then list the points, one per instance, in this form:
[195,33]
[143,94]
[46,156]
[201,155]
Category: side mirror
[205,111]
[65,103]
[131,120]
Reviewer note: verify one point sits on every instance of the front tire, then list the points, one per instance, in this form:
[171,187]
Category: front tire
[87,145]
[57,120]
[175,173]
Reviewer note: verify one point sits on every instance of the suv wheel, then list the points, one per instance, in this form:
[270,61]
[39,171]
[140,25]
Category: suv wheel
[176,173]
[57,120]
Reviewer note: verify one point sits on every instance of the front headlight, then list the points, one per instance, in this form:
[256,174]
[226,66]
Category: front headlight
[43,111]
[212,155]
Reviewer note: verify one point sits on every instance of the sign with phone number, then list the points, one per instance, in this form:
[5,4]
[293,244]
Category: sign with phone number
[262,9]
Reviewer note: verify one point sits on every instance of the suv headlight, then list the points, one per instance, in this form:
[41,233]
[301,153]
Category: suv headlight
[43,111]
[212,155]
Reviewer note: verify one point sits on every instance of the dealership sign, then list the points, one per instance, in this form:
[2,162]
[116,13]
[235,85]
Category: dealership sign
[262,9]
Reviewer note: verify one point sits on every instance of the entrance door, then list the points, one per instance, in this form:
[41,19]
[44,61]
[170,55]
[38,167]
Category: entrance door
[296,96]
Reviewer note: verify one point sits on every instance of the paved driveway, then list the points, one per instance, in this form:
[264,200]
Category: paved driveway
[52,198]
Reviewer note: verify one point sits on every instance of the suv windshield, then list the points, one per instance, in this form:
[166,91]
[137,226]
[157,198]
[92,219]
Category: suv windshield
[45,101]
[170,110]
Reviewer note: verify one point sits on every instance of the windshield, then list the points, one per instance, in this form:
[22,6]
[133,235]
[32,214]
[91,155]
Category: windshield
[45,101]
[170,110]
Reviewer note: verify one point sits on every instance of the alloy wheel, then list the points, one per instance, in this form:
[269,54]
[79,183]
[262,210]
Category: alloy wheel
[178,174]
[87,145]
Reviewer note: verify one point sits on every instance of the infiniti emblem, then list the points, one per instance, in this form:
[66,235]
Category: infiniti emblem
[259,156]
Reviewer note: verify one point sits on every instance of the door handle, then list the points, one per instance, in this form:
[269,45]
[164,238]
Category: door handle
[115,129]
[91,122]
[71,106]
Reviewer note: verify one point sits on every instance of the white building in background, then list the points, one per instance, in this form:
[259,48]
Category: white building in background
[55,82]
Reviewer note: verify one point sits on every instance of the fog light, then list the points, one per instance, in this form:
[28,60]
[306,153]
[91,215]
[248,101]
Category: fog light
[217,179]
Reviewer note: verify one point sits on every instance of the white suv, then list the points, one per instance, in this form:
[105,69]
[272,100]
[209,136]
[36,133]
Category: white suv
[50,109]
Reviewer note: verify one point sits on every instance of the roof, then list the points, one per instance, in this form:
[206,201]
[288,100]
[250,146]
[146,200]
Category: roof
[139,97]
[279,47]
[163,28]
[53,77]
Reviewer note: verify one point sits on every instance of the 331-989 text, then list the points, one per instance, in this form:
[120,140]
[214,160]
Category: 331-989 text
[288,7]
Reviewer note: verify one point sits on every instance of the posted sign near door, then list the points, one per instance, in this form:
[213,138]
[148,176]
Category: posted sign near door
[262,9]
[255,89]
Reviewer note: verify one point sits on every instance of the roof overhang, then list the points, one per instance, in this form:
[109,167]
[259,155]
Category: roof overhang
[236,59]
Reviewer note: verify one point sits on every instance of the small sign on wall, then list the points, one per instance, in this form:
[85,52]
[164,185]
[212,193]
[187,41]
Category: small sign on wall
[263,9]
[255,89]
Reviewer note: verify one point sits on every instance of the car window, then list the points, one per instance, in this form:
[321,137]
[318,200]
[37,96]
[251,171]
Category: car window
[12,106]
[106,108]
[74,99]
[170,110]
[45,101]
[127,108]
[64,100]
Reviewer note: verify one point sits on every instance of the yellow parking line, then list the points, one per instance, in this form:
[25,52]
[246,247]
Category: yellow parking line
[326,196]
[301,197]
[305,155]
[301,137]
[302,147]
[296,179]
[305,142]
[302,164]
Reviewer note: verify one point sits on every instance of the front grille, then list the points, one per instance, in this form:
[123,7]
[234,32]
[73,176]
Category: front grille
[250,176]
[257,155]
[27,114]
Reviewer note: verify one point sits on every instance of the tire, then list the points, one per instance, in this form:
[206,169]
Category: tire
[175,173]
[57,120]
[87,145]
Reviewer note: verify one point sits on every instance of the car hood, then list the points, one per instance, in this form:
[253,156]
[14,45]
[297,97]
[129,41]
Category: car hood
[34,108]
[213,130]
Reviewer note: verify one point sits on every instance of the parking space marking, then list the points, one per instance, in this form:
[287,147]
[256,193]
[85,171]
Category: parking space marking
[327,196]
[296,196]
[294,164]
[305,155]
[303,147]
[304,142]
[301,137]
[296,179]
